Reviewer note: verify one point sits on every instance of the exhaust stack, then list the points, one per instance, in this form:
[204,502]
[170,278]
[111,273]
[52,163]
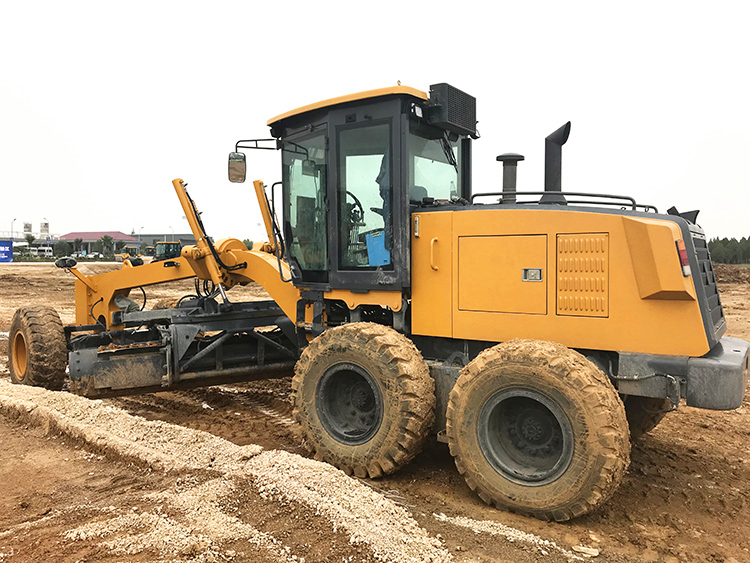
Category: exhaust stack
[553,165]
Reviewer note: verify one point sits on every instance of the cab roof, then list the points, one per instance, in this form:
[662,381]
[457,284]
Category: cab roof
[407,90]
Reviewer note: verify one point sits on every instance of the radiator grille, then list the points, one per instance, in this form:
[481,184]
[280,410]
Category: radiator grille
[453,109]
[705,276]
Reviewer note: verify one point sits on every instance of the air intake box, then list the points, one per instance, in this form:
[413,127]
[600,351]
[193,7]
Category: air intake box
[452,109]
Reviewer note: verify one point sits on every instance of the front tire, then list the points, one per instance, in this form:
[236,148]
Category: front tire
[37,352]
[536,428]
[364,398]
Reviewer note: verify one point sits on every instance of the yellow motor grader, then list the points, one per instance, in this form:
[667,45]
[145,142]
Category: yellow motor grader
[536,333]
[128,252]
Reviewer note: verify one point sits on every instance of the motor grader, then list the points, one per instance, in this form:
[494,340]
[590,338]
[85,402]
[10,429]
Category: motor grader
[166,250]
[129,251]
[534,332]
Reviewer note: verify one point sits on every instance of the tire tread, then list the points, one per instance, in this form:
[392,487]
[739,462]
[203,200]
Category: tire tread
[606,410]
[416,408]
[47,353]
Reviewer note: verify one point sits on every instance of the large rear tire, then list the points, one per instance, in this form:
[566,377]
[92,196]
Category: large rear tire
[645,413]
[364,398]
[536,428]
[37,351]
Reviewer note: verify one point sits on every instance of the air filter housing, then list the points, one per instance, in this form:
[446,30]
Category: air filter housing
[452,109]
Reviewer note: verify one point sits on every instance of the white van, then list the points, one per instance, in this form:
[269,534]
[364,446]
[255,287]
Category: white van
[45,251]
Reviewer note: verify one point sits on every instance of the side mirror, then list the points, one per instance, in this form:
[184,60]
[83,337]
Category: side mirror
[236,167]
[309,168]
[66,262]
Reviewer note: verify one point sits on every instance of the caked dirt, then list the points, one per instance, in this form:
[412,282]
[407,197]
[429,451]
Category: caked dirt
[220,474]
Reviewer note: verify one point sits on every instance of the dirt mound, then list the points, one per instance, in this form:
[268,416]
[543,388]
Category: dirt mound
[731,273]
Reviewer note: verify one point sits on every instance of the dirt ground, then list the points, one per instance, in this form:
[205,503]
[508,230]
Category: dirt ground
[686,496]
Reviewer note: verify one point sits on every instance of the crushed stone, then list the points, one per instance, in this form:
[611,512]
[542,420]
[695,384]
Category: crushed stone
[365,515]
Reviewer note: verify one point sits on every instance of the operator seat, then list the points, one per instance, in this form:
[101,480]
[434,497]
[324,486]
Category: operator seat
[417,194]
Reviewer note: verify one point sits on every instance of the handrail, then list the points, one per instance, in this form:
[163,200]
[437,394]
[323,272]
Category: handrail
[623,198]
[256,146]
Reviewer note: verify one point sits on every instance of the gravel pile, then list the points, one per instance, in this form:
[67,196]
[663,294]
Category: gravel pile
[159,445]
[368,516]
[365,515]
[198,538]
[511,534]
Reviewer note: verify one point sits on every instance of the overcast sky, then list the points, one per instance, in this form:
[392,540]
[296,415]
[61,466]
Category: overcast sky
[102,104]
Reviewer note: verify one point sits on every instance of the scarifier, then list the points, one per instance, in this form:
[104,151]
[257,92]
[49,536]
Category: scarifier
[536,333]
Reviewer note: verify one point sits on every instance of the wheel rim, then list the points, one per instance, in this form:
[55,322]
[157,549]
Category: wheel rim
[349,403]
[20,356]
[525,436]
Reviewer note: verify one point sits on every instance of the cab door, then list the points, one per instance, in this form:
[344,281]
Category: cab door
[366,212]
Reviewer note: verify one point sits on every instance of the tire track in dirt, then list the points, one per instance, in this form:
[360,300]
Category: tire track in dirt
[242,416]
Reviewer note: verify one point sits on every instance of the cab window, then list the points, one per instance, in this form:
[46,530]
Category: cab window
[432,164]
[305,224]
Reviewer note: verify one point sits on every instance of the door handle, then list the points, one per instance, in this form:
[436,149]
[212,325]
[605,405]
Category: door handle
[433,242]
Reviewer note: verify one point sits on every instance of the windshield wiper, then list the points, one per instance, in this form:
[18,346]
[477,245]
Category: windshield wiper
[448,150]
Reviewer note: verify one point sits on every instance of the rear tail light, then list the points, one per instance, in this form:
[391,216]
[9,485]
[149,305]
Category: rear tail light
[684,262]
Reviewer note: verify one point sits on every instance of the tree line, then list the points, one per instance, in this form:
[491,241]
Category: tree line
[730,250]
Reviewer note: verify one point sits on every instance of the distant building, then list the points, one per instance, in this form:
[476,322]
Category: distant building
[90,238]
[151,239]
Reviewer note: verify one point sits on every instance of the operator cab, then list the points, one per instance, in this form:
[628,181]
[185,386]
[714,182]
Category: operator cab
[353,169]
[167,250]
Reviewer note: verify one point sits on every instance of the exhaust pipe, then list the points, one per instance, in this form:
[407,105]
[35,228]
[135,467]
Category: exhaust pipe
[553,165]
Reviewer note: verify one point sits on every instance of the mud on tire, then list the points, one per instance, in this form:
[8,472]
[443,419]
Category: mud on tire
[37,352]
[536,428]
[645,413]
[364,398]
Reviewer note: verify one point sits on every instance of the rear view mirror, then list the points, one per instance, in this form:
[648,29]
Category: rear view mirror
[309,168]
[236,167]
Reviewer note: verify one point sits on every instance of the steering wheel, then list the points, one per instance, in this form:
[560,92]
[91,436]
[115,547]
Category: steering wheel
[357,212]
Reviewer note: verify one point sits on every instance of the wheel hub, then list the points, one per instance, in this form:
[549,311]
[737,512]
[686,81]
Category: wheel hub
[349,403]
[20,355]
[362,397]
[525,436]
[533,429]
